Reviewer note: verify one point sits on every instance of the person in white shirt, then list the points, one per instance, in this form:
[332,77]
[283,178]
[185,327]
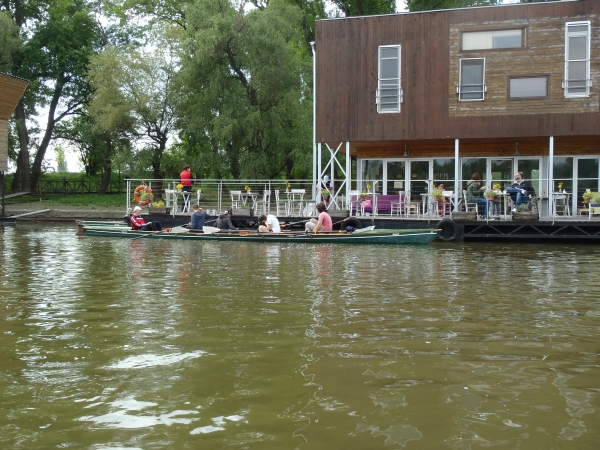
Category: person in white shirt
[269,223]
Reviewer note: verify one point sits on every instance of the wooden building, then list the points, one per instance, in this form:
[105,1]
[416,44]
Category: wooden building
[423,97]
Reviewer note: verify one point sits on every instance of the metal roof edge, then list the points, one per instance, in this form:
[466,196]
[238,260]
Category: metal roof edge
[403,13]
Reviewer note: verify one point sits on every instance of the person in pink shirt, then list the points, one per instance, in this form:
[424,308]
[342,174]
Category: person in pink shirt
[323,224]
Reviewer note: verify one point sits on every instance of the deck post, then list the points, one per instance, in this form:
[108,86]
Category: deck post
[317,178]
[456,174]
[3,192]
[314,184]
[348,173]
[550,176]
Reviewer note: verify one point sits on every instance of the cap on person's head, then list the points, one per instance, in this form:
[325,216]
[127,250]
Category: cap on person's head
[228,212]
[325,178]
[137,208]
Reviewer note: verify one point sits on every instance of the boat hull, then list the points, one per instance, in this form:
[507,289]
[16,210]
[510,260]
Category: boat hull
[394,237]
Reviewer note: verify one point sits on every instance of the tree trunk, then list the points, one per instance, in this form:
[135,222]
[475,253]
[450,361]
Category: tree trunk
[21,180]
[107,168]
[36,170]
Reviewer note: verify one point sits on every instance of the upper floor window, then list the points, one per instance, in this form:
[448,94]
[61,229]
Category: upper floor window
[471,84]
[493,39]
[389,91]
[523,87]
[577,81]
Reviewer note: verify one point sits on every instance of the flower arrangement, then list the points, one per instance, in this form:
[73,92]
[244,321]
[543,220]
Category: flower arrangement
[437,193]
[288,185]
[587,196]
[493,193]
[522,208]
[146,196]
[560,185]
[325,193]
[158,204]
[179,187]
[247,188]
[496,186]
[363,195]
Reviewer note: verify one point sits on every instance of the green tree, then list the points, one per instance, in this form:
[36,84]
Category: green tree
[61,160]
[134,95]
[365,7]
[248,80]
[426,5]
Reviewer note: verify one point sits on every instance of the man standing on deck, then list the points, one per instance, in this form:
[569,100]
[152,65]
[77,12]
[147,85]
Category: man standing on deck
[186,181]
[324,222]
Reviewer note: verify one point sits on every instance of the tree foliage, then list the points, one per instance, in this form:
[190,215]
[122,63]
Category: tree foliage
[247,79]
[426,5]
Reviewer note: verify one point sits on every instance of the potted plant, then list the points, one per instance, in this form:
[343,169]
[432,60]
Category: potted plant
[157,208]
[179,187]
[146,196]
[247,188]
[437,194]
[523,213]
[363,196]
[595,199]
[587,196]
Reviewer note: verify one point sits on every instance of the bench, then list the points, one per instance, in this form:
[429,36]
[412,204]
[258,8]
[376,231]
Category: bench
[383,203]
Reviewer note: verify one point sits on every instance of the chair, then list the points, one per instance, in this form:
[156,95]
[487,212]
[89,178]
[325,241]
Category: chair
[412,205]
[294,202]
[354,202]
[560,201]
[400,205]
[310,208]
[170,199]
[236,199]
[264,203]
[469,204]
[279,202]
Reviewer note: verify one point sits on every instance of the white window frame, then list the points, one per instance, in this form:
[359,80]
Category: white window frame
[588,80]
[491,32]
[460,85]
[381,82]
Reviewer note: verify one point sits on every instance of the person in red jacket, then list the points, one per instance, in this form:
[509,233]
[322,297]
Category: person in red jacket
[186,181]
[138,223]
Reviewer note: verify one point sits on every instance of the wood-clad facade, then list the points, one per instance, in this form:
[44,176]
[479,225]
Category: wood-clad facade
[434,121]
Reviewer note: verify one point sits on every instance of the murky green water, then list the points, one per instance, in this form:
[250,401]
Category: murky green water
[108,344]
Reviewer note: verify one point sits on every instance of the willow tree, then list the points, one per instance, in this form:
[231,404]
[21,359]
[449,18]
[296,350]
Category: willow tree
[134,96]
[247,81]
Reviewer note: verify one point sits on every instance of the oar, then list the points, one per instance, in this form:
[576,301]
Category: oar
[363,230]
[209,230]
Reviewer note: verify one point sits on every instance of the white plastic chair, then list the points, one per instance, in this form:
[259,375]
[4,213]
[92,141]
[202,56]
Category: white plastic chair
[469,204]
[264,203]
[400,205]
[412,206]
[296,201]
[170,200]
[279,202]
[560,201]
[354,202]
[236,199]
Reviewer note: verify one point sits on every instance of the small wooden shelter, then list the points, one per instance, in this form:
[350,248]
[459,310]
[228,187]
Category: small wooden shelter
[11,91]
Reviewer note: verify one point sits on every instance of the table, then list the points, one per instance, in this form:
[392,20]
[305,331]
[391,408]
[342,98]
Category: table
[186,201]
[295,198]
[249,195]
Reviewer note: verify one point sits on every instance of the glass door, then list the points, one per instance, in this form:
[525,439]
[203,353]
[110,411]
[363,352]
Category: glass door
[501,172]
[531,168]
[396,177]
[419,179]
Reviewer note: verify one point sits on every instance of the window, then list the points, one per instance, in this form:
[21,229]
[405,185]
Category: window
[528,87]
[389,91]
[577,81]
[493,39]
[471,85]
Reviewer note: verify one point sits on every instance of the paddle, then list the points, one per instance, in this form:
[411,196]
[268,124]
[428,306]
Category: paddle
[209,230]
[363,230]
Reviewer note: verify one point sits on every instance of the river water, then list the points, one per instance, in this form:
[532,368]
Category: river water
[146,344]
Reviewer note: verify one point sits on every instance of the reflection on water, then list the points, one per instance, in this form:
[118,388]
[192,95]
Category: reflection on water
[107,343]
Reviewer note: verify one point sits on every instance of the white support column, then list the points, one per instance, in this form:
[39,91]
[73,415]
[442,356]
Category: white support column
[550,176]
[319,178]
[314,185]
[348,173]
[457,186]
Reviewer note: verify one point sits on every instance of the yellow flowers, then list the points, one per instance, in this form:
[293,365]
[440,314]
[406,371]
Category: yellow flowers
[247,188]
[496,186]
[368,187]
[179,186]
[560,184]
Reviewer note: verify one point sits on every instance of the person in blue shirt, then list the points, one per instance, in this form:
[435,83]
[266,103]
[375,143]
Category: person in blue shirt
[198,218]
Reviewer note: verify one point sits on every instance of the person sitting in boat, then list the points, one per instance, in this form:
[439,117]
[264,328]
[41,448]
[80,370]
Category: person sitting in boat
[268,223]
[198,218]
[322,224]
[138,223]
[224,221]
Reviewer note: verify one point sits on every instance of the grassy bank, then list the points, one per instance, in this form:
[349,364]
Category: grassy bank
[93,201]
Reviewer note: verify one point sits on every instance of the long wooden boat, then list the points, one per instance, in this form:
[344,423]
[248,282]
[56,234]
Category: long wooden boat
[364,236]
